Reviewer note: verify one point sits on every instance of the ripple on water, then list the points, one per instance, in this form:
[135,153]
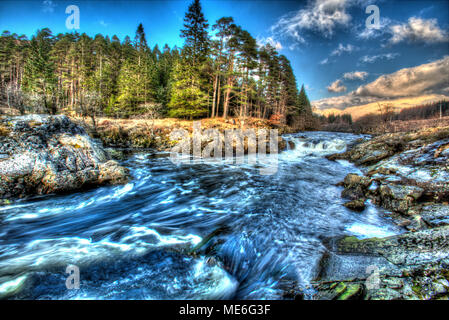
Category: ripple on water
[127,240]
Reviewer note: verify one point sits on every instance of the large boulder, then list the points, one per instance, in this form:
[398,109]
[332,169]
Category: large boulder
[397,197]
[413,265]
[355,187]
[42,154]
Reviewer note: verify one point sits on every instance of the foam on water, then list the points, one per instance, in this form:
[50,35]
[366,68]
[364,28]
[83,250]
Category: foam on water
[127,237]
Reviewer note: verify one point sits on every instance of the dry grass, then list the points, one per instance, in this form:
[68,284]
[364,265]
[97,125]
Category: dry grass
[4,131]
[172,123]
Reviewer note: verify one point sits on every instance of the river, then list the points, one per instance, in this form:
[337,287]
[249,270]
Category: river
[129,241]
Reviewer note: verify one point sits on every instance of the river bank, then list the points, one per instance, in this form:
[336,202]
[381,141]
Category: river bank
[145,134]
[267,230]
[407,174]
[316,228]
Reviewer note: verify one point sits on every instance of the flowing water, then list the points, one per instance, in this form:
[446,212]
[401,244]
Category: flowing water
[129,241]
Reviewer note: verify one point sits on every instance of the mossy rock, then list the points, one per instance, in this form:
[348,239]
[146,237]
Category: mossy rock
[353,291]
[340,288]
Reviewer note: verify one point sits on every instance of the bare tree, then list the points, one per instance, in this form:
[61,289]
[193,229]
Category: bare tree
[152,111]
[89,104]
[15,97]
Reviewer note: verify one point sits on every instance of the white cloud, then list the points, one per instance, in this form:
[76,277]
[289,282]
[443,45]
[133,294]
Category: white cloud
[425,79]
[104,24]
[355,75]
[336,86]
[342,49]
[324,61]
[276,44]
[320,16]
[371,33]
[418,30]
[48,6]
[374,58]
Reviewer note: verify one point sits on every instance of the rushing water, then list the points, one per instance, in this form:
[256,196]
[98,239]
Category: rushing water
[128,240]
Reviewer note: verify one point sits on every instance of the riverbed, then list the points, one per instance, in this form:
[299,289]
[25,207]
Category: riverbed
[133,241]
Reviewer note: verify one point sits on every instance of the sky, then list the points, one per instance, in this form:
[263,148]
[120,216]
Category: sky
[341,61]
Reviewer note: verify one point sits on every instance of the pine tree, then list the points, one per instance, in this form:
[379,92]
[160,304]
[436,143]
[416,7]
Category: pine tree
[135,83]
[39,70]
[188,97]
[196,45]
[303,102]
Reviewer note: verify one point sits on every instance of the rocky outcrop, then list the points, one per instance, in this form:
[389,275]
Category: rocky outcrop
[408,181]
[407,174]
[42,154]
[408,266]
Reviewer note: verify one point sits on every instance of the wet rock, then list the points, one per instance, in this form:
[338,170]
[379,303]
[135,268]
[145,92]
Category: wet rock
[412,248]
[340,291]
[407,174]
[356,205]
[435,214]
[397,197]
[49,154]
[355,186]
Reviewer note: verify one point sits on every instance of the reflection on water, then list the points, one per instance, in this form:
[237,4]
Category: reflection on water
[130,241]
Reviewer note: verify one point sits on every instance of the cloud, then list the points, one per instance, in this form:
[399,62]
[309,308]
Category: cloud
[263,41]
[324,61]
[342,49]
[338,52]
[104,24]
[374,58]
[336,86]
[425,79]
[319,16]
[418,30]
[355,75]
[48,6]
[372,33]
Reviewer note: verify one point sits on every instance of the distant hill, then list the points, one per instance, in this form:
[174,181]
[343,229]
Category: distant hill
[398,104]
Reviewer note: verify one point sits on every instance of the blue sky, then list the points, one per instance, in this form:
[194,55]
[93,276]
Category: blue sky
[330,49]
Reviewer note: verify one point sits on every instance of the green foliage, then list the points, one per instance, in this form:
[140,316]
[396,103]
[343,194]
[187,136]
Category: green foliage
[195,33]
[187,99]
[303,102]
[214,74]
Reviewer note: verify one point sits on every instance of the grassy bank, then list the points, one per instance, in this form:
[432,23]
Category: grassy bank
[155,134]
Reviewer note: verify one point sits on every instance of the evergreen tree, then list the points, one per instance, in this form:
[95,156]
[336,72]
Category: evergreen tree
[39,70]
[228,75]
[188,98]
[196,45]
[303,102]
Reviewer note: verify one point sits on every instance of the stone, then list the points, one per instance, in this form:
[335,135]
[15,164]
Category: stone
[52,154]
[356,205]
[352,292]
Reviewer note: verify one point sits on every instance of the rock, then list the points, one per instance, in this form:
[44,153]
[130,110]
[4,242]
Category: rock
[340,291]
[355,186]
[51,154]
[112,173]
[413,248]
[393,283]
[353,291]
[435,214]
[399,198]
[356,205]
